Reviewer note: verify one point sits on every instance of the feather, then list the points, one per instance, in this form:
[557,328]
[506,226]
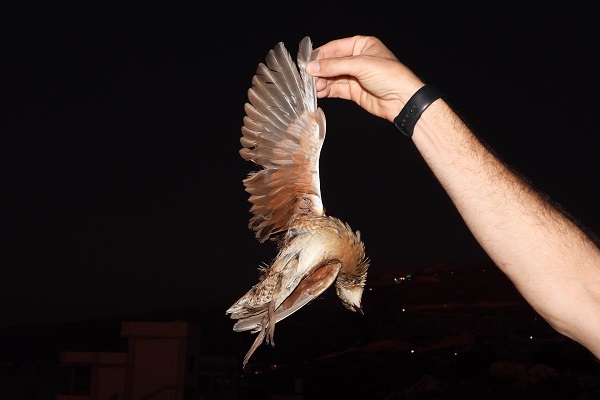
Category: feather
[282,134]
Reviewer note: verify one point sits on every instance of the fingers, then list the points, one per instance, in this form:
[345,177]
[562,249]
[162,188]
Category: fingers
[348,56]
[364,70]
[334,88]
[341,47]
[339,66]
[334,49]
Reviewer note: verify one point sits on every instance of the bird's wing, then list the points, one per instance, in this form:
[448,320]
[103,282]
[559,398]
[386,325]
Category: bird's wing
[283,133]
[307,290]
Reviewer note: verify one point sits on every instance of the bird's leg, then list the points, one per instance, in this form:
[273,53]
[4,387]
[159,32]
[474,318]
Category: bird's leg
[266,333]
[267,330]
[270,324]
[257,342]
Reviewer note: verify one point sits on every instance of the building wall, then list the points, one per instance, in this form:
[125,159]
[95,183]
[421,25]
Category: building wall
[108,383]
[161,363]
[154,366]
[160,360]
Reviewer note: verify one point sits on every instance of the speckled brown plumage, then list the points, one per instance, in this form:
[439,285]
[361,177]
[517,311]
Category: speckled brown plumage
[283,134]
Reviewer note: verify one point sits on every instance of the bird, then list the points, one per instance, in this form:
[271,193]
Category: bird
[282,134]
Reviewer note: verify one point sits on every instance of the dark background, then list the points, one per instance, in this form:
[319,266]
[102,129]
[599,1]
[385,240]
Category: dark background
[121,182]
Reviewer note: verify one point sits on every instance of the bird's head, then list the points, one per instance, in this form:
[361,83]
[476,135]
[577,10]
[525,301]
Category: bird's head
[350,282]
[350,295]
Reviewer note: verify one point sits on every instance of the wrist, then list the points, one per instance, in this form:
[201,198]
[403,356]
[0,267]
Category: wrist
[414,107]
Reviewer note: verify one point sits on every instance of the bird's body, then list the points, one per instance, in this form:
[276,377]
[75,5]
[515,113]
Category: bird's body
[283,133]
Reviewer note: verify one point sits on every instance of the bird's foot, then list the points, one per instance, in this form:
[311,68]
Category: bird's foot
[266,333]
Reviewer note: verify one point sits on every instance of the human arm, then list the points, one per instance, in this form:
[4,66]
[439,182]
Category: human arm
[551,261]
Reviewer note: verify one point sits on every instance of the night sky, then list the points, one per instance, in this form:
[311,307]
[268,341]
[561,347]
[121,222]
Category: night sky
[119,135]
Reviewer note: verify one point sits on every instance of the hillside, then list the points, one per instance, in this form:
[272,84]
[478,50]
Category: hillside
[439,331]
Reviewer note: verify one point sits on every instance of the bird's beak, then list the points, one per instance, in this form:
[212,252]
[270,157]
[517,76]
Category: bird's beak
[360,310]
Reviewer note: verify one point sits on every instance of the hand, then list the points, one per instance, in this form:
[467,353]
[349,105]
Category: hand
[364,70]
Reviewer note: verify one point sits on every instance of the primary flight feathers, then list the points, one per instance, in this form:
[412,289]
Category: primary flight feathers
[283,134]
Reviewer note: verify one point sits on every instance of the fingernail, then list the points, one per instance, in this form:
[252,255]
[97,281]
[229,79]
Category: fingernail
[313,67]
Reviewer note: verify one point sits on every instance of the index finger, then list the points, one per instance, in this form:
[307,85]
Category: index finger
[340,48]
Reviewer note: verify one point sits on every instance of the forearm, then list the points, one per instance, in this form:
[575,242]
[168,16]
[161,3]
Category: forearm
[554,265]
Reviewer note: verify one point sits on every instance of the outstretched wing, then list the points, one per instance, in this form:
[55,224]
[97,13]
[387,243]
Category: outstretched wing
[283,133]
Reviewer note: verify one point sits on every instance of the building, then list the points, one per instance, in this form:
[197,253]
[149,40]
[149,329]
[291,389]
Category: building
[161,363]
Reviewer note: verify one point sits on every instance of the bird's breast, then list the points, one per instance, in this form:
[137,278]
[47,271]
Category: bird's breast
[323,238]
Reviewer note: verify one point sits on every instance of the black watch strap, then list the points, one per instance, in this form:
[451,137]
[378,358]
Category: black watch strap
[412,110]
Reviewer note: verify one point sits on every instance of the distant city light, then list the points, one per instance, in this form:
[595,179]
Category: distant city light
[402,278]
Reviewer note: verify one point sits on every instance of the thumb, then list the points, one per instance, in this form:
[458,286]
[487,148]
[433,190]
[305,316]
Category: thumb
[313,68]
[338,66]
[331,67]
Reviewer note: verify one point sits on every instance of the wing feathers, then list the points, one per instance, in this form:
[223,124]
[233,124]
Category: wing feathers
[283,133]
[306,54]
[308,289]
[279,59]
